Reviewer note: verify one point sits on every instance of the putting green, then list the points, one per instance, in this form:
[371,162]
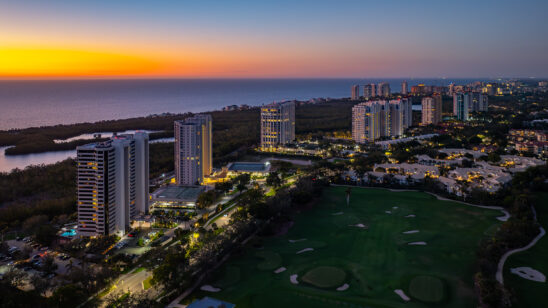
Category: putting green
[325,277]
[375,262]
[427,289]
[271,260]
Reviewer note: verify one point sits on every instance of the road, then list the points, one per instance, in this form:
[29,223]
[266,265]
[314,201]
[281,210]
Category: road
[132,282]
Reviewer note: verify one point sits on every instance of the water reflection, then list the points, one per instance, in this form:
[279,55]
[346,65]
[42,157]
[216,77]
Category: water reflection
[10,162]
[102,135]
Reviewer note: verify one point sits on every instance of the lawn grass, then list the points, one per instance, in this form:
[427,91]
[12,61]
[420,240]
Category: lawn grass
[427,289]
[374,261]
[140,269]
[530,293]
[147,283]
[325,277]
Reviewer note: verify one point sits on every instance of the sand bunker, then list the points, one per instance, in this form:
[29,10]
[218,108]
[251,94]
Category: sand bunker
[529,273]
[296,241]
[305,250]
[410,216]
[394,207]
[293,279]
[402,295]
[359,226]
[388,212]
[343,287]
[281,269]
[411,232]
[338,213]
[209,288]
[417,243]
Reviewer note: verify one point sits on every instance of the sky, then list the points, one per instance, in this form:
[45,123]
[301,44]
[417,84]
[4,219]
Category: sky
[273,39]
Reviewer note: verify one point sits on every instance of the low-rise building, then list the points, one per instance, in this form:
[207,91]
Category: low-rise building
[253,168]
[175,197]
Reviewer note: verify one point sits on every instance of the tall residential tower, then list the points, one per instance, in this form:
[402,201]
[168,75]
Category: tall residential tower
[277,125]
[112,184]
[193,149]
[355,93]
[461,104]
[404,88]
[431,110]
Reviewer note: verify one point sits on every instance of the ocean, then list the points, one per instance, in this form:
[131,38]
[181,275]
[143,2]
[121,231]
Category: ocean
[33,103]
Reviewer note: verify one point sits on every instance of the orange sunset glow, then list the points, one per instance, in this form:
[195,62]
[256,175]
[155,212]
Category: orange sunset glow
[71,63]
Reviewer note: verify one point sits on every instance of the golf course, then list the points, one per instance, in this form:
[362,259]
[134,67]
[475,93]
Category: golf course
[383,249]
[530,292]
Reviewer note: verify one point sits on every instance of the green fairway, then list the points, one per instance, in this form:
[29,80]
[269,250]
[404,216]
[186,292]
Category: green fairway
[363,246]
[530,293]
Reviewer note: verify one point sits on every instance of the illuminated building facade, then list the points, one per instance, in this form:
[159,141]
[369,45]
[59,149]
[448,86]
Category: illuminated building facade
[110,185]
[431,110]
[277,125]
[193,149]
[461,103]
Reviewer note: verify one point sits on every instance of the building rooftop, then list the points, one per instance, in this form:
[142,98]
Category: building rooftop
[248,167]
[179,193]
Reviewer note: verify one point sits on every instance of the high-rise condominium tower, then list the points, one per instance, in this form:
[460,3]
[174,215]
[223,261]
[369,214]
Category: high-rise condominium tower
[396,117]
[407,112]
[112,184]
[479,102]
[375,119]
[193,149]
[461,103]
[277,125]
[355,93]
[383,89]
[368,91]
[365,122]
[404,88]
[431,110]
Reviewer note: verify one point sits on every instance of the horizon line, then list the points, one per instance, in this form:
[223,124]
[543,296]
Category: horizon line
[68,78]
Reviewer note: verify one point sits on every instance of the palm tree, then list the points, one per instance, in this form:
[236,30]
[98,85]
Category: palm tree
[348,192]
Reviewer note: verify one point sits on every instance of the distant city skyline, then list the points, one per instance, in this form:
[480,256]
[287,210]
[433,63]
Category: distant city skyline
[282,39]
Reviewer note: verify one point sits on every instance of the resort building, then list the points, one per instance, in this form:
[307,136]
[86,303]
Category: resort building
[193,150]
[277,125]
[111,186]
[253,168]
[175,197]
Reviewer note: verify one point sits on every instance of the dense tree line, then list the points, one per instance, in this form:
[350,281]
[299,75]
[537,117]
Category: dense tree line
[517,232]
[40,139]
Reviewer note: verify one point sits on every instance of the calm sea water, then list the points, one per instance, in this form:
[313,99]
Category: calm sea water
[32,103]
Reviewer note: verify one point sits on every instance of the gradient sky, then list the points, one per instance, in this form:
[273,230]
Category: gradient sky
[123,38]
